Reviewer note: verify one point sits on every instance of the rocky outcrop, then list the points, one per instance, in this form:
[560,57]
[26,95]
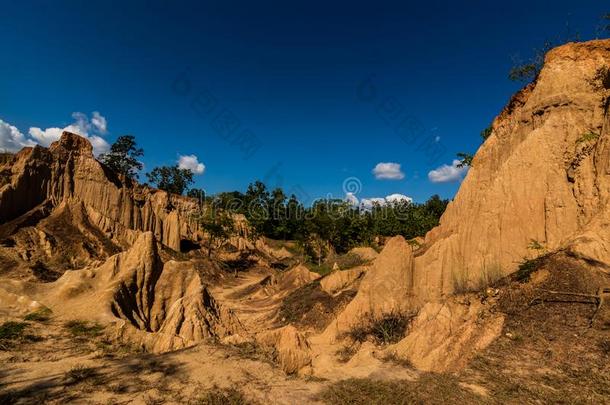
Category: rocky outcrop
[386,287]
[338,280]
[543,176]
[293,352]
[540,182]
[444,336]
[159,306]
[67,173]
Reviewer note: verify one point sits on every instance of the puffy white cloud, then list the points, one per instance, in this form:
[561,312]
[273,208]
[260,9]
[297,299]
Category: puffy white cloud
[352,199]
[98,121]
[368,203]
[448,173]
[191,162]
[388,171]
[396,198]
[12,139]
[47,136]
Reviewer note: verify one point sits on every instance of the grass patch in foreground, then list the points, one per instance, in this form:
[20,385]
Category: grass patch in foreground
[42,315]
[12,332]
[79,374]
[428,389]
[350,260]
[83,328]
[218,396]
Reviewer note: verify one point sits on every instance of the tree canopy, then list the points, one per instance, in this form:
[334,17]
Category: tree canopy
[171,178]
[123,156]
[329,224]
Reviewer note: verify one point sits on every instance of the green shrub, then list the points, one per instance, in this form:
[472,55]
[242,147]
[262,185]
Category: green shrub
[526,72]
[486,133]
[323,269]
[78,374]
[349,261]
[83,328]
[588,137]
[42,315]
[527,267]
[12,330]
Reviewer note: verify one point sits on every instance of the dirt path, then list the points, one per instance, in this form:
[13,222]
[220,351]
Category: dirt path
[255,312]
[58,367]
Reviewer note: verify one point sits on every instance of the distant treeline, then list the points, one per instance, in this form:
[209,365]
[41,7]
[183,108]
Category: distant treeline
[326,226]
[334,223]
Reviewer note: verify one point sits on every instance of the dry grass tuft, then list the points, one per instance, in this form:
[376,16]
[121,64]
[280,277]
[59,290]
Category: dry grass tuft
[384,329]
[218,396]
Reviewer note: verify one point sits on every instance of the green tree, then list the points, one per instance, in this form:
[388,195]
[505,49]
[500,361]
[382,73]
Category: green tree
[257,203]
[171,179]
[486,133]
[198,194]
[465,159]
[123,156]
[529,71]
[218,225]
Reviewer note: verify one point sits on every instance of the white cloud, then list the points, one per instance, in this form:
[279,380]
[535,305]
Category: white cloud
[395,198]
[448,173]
[388,171]
[98,121]
[191,162]
[368,203]
[12,139]
[47,136]
[352,199]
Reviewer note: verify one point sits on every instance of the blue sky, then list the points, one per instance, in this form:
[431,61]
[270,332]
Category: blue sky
[286,77]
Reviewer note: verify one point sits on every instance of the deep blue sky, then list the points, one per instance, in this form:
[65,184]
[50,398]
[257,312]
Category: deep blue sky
[289,71]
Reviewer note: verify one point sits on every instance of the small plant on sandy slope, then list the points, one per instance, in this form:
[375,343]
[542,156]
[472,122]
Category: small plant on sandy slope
[10,333]
[396,360]
[461,284]
[488,276]
[218,396]
[42,315]
[254,351]
[83,328]
[323,269]
[485,277]
[79,373]
[527,267]
[486,133]
[604,346]
[535,245]
[383,329]
[414,243]
[346,353]
[588,137]
[601,79]
[350,260]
